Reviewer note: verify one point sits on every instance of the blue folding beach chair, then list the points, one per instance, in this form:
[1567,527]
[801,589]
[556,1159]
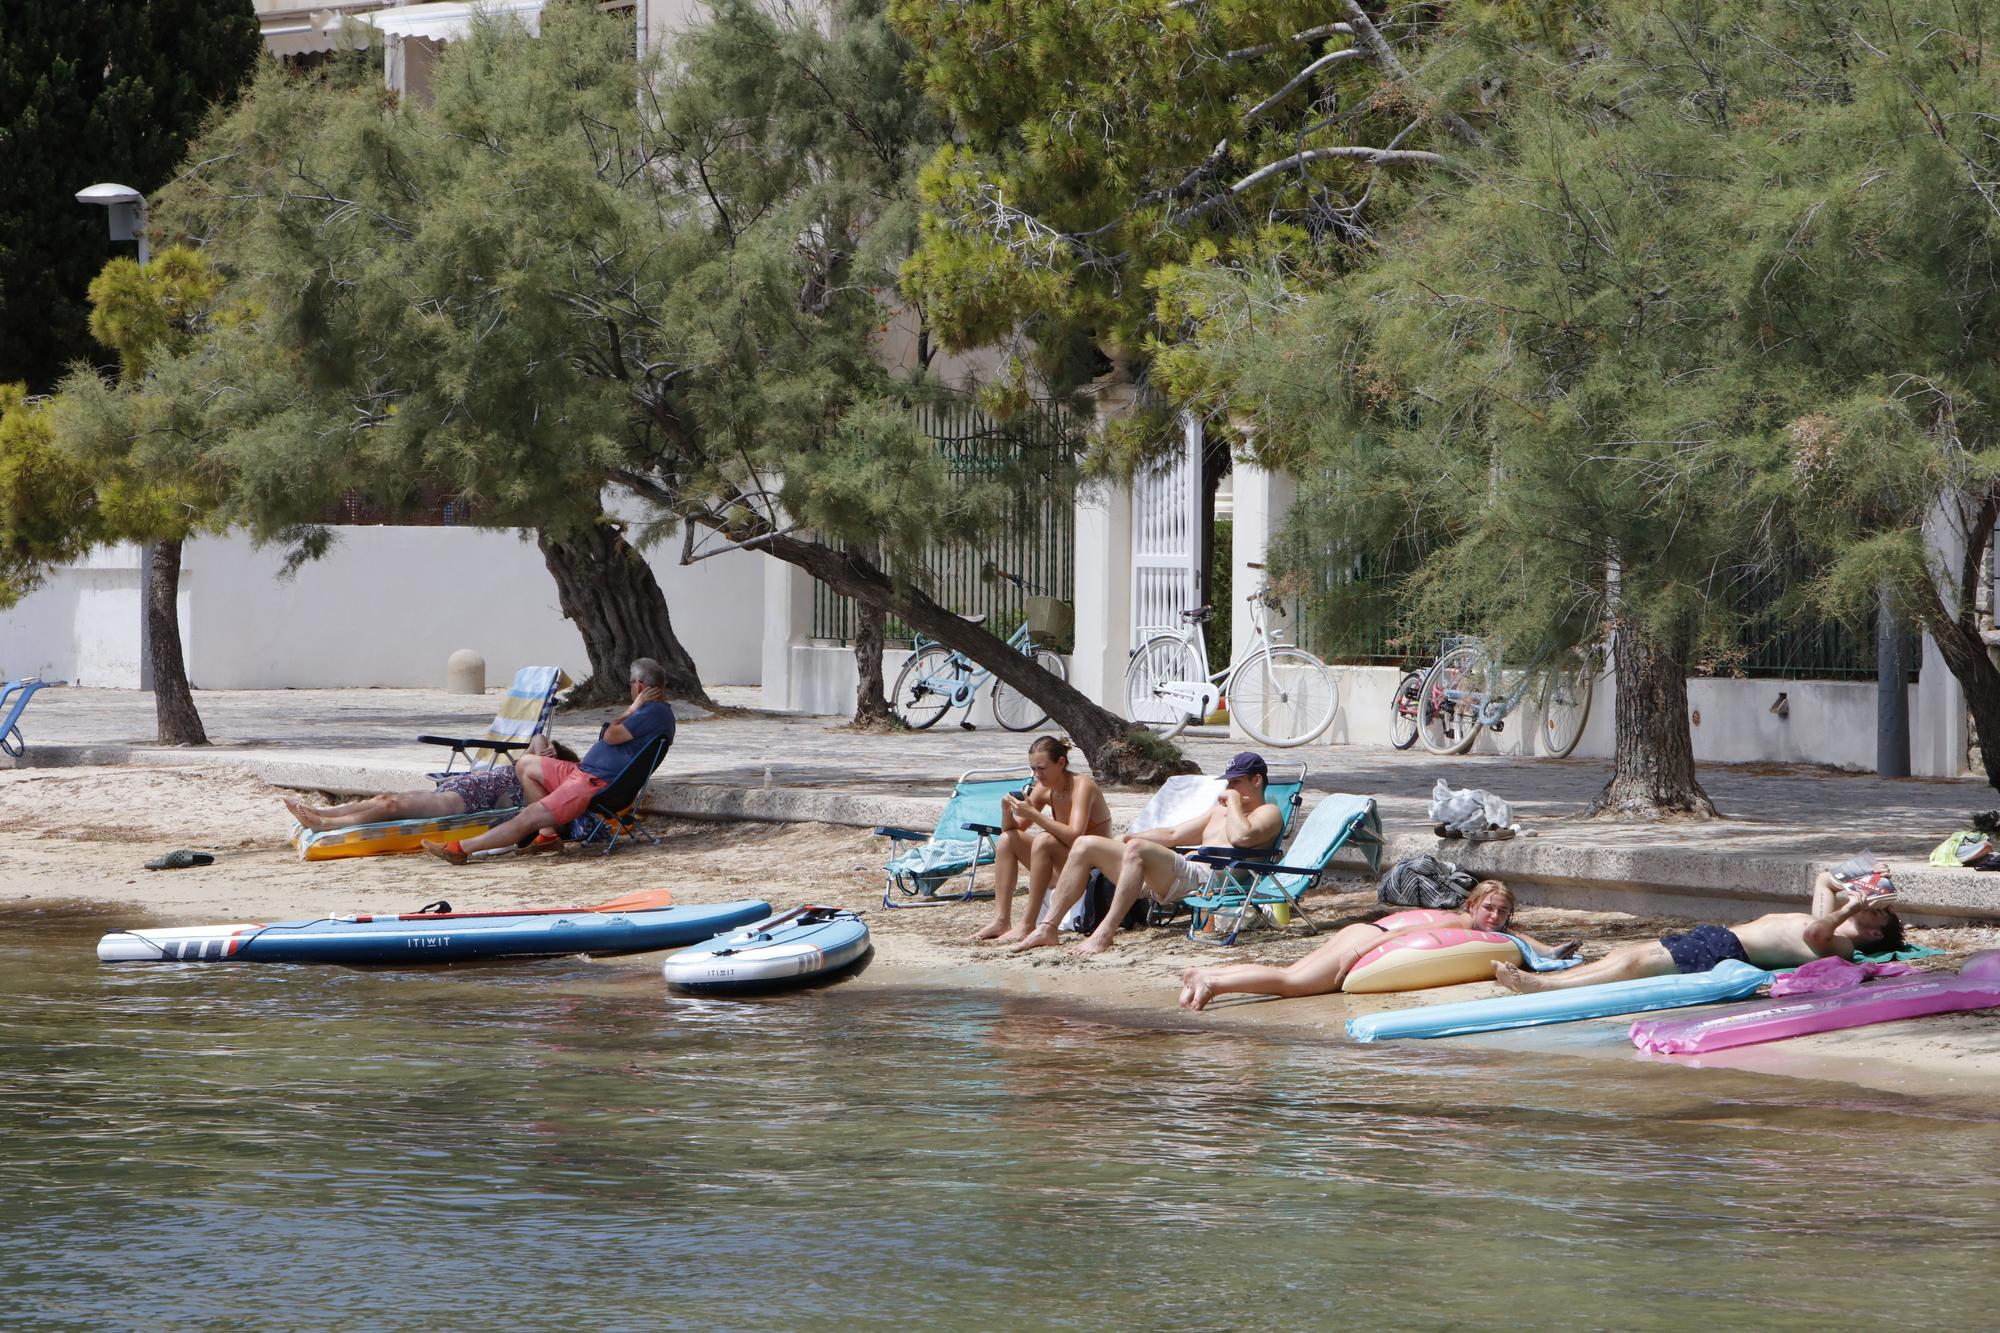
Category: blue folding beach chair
[523,714]
[962,842]
[613,812]
[20,691]
[1243,882]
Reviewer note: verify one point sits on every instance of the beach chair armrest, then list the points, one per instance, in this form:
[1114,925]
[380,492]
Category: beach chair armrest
[1272,868]
[990,830]
[1231,856]
[901,834]
[473,743]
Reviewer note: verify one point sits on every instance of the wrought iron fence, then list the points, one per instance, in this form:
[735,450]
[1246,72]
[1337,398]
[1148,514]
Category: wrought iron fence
[1773,639]
[1040,545]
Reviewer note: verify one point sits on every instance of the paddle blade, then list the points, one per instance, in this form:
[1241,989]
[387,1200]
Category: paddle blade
[645,900]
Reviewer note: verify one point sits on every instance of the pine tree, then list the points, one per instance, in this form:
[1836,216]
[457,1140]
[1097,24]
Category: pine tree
[93,90]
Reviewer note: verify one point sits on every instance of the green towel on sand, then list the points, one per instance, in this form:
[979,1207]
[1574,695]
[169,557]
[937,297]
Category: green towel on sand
[1902,955]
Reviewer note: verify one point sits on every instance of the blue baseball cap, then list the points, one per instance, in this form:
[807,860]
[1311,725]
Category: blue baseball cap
[1244,764]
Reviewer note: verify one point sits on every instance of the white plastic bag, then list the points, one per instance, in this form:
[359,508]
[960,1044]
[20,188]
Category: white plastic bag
[1469,811]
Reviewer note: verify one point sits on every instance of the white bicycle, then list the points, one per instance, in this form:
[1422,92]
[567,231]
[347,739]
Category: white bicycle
[1280,693]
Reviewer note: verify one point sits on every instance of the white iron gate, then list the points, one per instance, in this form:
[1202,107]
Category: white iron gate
[1166,538]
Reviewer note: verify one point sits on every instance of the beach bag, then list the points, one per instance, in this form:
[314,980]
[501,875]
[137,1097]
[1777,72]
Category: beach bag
[1097,896]
[1424,881]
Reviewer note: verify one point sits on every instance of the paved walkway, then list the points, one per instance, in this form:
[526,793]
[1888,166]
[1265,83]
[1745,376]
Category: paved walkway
[1781,822]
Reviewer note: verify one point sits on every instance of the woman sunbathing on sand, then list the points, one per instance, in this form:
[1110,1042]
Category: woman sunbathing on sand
[1040,829]
[495,788]
[1490,906]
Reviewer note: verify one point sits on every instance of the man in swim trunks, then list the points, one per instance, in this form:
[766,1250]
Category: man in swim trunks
[496,787]
[1145,862]
[556,791]
[1842,920]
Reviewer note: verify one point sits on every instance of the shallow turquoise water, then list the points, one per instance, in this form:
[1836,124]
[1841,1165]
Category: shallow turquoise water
[562,1145]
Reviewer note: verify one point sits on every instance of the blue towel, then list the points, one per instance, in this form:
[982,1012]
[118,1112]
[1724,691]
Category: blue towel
[1541,962]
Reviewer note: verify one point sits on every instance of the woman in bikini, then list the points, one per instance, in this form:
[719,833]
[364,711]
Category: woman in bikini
[494,788]
[1038,830]
[1490,906]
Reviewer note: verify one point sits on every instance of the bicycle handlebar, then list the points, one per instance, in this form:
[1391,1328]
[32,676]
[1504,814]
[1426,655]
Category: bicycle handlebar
[995,572]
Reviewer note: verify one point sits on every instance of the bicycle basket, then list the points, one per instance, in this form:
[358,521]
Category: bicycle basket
[1050,620]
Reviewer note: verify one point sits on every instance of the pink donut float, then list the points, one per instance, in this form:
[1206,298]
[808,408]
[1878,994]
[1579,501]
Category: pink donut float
[1444,956]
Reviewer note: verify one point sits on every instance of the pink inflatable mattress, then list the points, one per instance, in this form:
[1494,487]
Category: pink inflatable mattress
[1976,986]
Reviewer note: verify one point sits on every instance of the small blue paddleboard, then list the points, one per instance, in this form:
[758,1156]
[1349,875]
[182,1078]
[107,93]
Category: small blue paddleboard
[1729,980]
[795,948]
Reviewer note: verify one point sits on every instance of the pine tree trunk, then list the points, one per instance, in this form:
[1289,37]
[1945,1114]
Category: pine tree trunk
[608,590]
[871,704]
[1955,630]
[1652,766]
[1117,751]
[173,700]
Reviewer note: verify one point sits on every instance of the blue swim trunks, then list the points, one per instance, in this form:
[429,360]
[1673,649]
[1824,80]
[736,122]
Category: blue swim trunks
[1703,947]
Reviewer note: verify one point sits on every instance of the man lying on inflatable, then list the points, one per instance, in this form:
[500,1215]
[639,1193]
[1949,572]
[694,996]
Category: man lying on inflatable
[1846,915]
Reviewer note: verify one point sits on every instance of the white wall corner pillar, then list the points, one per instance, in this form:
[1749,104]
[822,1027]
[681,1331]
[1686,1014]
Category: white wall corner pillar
[788,610]
[1263,501]
[1103,588]
[1103,594]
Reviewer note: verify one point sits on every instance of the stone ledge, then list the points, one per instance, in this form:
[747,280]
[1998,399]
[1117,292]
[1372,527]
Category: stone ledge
[1672,880]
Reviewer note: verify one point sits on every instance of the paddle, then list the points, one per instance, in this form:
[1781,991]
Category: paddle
[645,900]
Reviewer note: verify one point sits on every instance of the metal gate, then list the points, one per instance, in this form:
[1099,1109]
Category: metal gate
[1166,537]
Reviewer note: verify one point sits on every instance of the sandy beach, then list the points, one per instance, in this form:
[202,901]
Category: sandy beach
[83,834]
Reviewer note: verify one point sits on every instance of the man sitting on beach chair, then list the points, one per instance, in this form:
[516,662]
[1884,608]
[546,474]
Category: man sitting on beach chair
[497,787]
[557,792]
[1847,915]
[1145,862]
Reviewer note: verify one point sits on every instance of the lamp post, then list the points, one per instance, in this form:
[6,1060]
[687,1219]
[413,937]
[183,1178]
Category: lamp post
[128,212]
[128,223]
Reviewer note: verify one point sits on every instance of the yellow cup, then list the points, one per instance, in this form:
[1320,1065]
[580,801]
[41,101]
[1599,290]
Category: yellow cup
[1281,914]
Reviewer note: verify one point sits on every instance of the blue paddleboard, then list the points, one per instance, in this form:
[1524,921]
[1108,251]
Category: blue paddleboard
[434,939]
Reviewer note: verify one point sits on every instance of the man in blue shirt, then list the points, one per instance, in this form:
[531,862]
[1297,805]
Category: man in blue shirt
[557,792]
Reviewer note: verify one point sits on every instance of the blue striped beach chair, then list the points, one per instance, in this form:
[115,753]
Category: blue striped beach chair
[957,846]
[523,714]
[1243,883]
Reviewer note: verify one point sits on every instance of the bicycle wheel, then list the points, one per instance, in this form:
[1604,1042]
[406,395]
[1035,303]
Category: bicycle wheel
[1163,660]
[1283,697]
[1016,711]
[1403,710]
[1566,701]
[1454,692]
[924,689]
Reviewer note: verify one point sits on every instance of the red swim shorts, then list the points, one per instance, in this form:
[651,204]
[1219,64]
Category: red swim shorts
[570,788]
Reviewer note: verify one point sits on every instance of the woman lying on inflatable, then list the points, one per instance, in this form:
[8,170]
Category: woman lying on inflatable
[1403,951]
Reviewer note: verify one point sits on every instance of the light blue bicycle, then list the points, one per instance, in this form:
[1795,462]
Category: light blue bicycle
[937,679]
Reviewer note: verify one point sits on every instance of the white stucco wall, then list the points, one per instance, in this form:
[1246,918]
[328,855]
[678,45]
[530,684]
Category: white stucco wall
[386,607]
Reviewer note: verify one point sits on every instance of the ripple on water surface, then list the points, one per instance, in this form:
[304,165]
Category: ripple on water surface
[563,1145]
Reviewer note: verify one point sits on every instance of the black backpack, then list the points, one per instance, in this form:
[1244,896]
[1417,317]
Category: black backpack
[1097,896]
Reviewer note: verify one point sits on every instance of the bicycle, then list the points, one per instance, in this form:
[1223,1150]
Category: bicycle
[938,679]
[1469,689]
[1281,694]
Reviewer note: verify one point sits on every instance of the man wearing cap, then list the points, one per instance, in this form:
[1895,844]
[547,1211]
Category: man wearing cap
[1145,862]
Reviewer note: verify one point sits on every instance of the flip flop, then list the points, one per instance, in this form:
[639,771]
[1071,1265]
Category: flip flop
[180,860]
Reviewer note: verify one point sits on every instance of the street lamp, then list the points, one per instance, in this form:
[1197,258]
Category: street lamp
[128,212]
